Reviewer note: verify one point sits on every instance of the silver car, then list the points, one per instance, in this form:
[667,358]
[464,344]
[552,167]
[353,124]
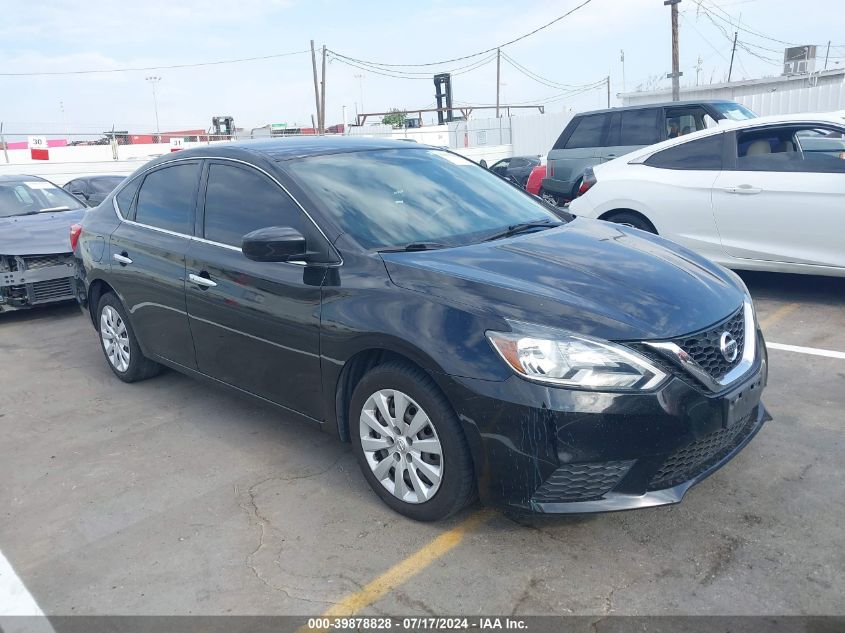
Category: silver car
[36,259]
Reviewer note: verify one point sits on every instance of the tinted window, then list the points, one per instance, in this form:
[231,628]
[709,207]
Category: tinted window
[387,198]
[640,127]
[105,185]
[517,163]
[589,131]
[705,153]
[125,196]
[239,200]
[166,198]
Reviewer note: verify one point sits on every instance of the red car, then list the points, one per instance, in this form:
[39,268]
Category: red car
[535,182]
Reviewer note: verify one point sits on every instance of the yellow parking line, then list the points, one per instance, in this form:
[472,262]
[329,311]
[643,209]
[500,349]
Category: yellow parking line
[778,314]
[406,569]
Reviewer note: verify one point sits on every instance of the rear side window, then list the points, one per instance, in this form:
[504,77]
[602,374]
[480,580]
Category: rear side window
[705,154]
[166,198]
[640,127]
[589,132]
[240,200]
[126,196]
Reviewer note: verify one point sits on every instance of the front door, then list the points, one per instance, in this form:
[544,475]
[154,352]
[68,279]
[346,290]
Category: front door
[779,203]
[255,324]
[148,261]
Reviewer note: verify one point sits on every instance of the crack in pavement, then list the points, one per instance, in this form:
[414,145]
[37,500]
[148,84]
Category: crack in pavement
[262,521]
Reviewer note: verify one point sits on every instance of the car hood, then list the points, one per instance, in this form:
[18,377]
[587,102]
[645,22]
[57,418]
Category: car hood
[39,234]
[588,276]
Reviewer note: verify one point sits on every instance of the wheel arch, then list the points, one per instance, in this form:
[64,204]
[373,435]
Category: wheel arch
[357,366]
[96,289]
[609,214]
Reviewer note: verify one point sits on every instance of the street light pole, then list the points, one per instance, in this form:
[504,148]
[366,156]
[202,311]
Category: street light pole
[153,81]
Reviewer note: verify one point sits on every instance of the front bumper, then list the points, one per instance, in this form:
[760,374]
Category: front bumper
[541,449]
[31,280]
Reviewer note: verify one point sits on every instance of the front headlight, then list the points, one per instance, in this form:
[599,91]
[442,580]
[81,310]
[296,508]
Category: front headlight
[572,360]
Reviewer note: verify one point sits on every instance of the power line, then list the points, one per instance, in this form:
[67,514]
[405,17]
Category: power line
[539,78]
[147,68]
[401,75]
[458,59]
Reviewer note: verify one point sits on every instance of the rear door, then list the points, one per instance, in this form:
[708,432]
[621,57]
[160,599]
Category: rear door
[255,324]
[148,260]
[631,130]
[779,203]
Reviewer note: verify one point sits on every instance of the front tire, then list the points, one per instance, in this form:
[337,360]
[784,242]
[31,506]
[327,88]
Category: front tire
[409,443]
[119,344]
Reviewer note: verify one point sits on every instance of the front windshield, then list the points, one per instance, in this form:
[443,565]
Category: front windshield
[391,198]
[27,197]
[734,111]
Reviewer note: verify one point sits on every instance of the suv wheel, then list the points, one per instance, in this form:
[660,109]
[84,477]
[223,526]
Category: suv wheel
[119,343]
[409,443]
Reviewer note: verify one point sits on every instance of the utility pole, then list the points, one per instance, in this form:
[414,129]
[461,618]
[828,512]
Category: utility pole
[622,59]
[499,77]
[607,81]
[360,78]
[733,52]
[827,55]
[676,74]
[316,87]
[153,81]
[323,95]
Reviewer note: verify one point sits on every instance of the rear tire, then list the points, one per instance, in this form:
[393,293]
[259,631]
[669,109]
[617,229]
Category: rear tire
[426,483]
[119,344]
[632,219]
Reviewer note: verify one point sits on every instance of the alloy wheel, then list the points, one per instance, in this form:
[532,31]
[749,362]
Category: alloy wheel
[115,338]
[401,446]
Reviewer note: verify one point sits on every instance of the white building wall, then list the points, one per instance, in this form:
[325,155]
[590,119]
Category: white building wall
[820,92]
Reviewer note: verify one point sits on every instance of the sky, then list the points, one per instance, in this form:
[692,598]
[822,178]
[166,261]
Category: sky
[577,51]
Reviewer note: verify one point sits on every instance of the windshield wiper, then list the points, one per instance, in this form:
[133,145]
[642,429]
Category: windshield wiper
[516,229]
[414,246]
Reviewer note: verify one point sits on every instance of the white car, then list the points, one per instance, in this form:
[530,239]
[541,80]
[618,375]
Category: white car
[762,194]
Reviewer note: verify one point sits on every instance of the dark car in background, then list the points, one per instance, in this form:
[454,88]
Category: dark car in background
[465,337]
[595,137]
[93,189]
[516,168]
[36,262]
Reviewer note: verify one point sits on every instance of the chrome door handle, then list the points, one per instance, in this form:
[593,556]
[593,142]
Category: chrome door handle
[122,259]
[205,282]
[743,189]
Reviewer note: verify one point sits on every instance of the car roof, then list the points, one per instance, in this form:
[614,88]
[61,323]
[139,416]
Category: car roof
[835,118]
[286,148]
[19,178]
[662,104]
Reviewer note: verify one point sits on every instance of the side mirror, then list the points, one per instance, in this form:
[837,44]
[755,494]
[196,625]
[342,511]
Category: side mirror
[274,244]
[78,194]
[483,163]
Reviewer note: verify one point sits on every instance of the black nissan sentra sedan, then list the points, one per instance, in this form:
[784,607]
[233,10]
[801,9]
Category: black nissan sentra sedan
[466,338]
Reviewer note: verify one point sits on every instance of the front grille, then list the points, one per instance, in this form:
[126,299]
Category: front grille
[33,262]
[704,346]
[52,290]
[581,482]
[693,459]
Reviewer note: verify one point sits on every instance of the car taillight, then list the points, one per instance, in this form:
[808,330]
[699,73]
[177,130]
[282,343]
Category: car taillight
[587,181]
[75,232]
